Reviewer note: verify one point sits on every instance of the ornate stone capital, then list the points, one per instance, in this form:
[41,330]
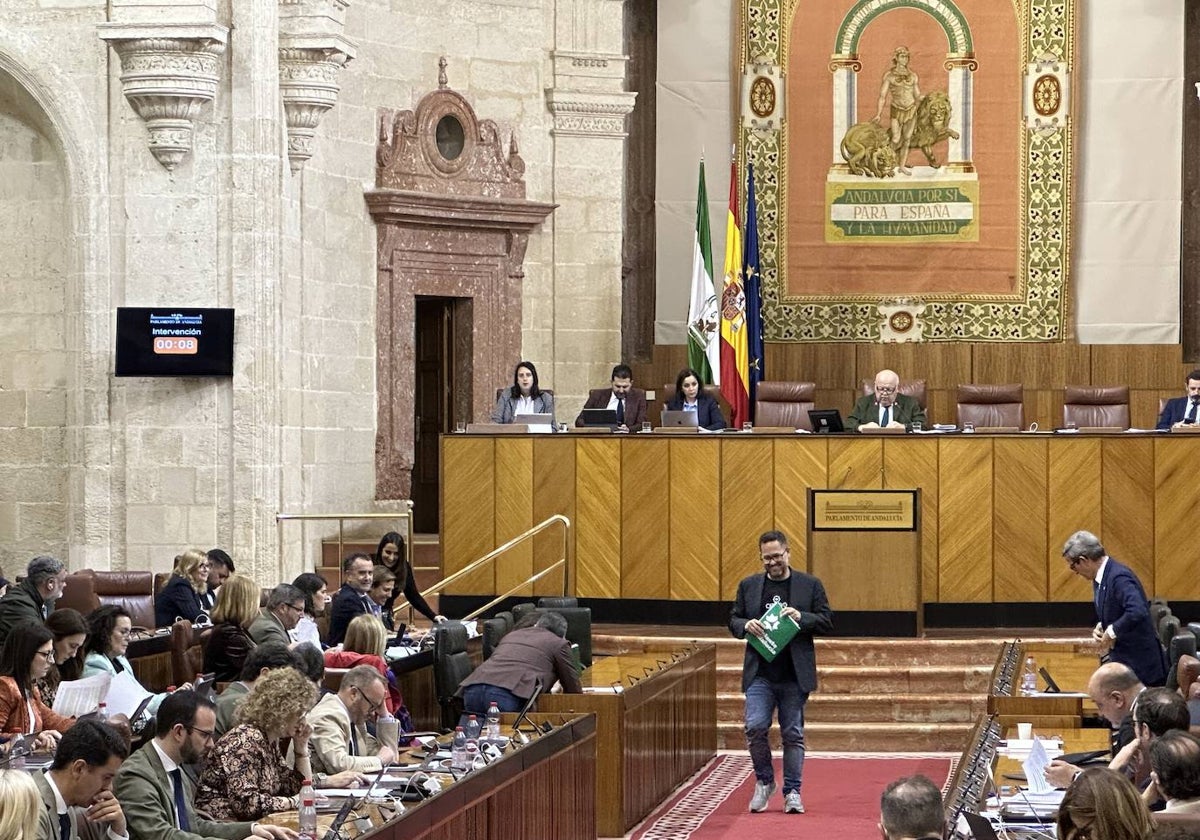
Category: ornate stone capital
[168,71]
[589,113]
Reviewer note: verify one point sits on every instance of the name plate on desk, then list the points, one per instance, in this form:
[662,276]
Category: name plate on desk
[863,510]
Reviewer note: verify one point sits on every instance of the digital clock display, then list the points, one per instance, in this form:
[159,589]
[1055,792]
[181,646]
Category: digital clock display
[177,345]
[174,341]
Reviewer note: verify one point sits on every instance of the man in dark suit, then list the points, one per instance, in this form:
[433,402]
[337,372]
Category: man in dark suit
[628,402]
[787,680]
[1182,411]
[353,598]
[886,407]
[77,787]
[1123,629]
[525,656]
[285,606]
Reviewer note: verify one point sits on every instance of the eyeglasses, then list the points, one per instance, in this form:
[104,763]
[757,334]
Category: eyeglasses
[879,390]
[48,655]
[209,734]
[1075,561]
[374,706]
[298,609]
[771,558]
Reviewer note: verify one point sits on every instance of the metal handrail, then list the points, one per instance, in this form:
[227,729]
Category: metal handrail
[406,514]
[546,524]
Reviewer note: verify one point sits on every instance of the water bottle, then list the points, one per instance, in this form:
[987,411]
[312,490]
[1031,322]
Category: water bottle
[458,750]
[1029,678]
[493,722]
[473,730]
[307,822]
[102,713]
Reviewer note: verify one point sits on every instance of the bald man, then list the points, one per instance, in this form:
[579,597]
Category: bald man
[886,407]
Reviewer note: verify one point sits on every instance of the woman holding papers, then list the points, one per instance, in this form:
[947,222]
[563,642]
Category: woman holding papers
[109,627]
[524,397]
[27,656]
[70,632]
[230,643]
[689,397]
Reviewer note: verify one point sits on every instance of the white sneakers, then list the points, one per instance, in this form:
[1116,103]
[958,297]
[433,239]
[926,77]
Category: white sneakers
[762,793]
[792,803]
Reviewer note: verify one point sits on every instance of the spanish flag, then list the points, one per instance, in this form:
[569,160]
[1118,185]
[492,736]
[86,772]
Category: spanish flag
[735,345]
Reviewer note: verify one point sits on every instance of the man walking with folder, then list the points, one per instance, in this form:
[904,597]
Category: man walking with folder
[778,613]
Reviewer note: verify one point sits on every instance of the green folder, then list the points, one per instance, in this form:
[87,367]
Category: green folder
[780,630]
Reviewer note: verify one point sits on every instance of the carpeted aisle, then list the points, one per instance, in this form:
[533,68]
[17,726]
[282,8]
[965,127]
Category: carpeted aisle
[841,799]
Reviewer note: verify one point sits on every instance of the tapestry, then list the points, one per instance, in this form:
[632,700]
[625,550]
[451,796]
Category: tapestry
[915,167]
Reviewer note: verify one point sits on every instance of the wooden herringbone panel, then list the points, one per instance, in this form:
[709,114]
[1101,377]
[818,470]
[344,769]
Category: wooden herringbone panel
[553,492]
[1019,534]
[1127,505]
[645,536]
[856,463]
[514,510]
[1074,504]
[913,463]
[468,508]
[1177,498]
[800,464]
[598,517]
[965,514]
[747,504]
[695,519]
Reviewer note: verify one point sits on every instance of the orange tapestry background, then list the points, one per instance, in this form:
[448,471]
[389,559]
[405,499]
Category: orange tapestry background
[990,266]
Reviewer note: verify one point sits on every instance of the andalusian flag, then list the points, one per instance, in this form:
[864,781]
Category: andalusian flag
[704,355]
[735,352]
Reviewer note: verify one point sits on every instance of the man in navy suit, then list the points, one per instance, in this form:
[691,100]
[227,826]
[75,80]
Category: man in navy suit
[1123,629]
[1182,411]
[787,680]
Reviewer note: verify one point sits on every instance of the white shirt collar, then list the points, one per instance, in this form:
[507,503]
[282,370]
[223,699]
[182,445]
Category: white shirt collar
[168,763]
[1100,571]
[59,803]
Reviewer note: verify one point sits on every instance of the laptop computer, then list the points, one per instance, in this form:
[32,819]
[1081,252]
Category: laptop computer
[826,420]
[599,417]
[681,418]
[534,419]
[981,828]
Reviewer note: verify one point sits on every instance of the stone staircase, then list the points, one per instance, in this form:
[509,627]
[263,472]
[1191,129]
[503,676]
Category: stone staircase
[876,695]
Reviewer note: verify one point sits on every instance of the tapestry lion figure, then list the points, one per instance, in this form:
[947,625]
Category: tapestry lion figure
[932,124]
[868,151]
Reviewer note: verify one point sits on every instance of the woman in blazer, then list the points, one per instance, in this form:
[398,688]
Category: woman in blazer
[689,397]
[182,596]
[27,656]
[109,627]
[524,397]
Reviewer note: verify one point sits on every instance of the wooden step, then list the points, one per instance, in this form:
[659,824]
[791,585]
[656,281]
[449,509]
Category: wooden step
[860,737]
[914,679]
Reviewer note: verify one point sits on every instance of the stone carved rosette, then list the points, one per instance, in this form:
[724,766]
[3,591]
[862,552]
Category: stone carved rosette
[167,80]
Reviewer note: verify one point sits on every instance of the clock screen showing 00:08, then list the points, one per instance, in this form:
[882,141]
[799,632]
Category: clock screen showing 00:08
[185,345]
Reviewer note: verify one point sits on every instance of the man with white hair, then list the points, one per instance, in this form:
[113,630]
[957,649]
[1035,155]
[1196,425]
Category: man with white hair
[885,407]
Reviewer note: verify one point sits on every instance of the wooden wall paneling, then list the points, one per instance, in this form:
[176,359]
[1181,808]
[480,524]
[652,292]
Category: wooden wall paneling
[1127,504]
[1177,498]
[1019,515]
[965,515]
[695,519]
[645,539]
[909,463]
[940,365]
[831,366]
[856,463]
[598,514]
[940,406]
[1074,504]
[800,463]
[840,398]
[1140,366]
[514,510]
[553,492]
[1036,366]
[468,509]
[1143,407]
[747,504]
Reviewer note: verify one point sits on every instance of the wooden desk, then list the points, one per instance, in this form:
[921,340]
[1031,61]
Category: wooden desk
[676,518]
[654,734]
[1070,664]
[1073,740]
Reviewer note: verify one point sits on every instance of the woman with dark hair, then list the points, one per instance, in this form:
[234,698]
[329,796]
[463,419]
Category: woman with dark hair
[28,653]
[70,632]
[316,591]
[524,397]
[183,596]
[109,627]
[1102,804]
[690,397]
[390,554]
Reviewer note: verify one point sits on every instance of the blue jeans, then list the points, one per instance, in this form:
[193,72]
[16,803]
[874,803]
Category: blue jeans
[762,698]
[477,698]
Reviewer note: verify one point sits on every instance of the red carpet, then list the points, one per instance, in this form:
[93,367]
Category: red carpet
[841,799]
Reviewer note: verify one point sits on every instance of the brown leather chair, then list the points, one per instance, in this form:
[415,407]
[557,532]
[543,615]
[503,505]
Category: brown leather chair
[785,404]
[991,406]
[187,651]
[160,580]
[86,590]
[914,388]
[1086,405]
[714,391]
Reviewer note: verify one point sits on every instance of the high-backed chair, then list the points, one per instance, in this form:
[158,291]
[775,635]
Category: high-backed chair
[557,603]
[492,630]
[160,580]
[1168,629]
[1085,405]
[86,590]
[451,665]
[991,406]
[187,652]
[914,388]
[668,392]
[579,624]
[1157,612]
[785,404]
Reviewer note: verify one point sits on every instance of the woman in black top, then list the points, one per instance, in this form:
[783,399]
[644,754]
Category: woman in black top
[390,554]
[181,597]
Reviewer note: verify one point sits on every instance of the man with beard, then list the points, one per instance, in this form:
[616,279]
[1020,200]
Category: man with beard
[157,795]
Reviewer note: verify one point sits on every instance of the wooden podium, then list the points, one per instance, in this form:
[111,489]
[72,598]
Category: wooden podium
[865,546]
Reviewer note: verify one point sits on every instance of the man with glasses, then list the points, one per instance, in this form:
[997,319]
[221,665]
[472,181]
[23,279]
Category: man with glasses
[157,796]
[785,681]
[886,408]
[340,747]
[285,606]
[353,598]
[33,598]
[1124,630]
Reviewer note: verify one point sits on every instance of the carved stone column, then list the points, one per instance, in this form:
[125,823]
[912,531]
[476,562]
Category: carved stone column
[168,72]
[312,52]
